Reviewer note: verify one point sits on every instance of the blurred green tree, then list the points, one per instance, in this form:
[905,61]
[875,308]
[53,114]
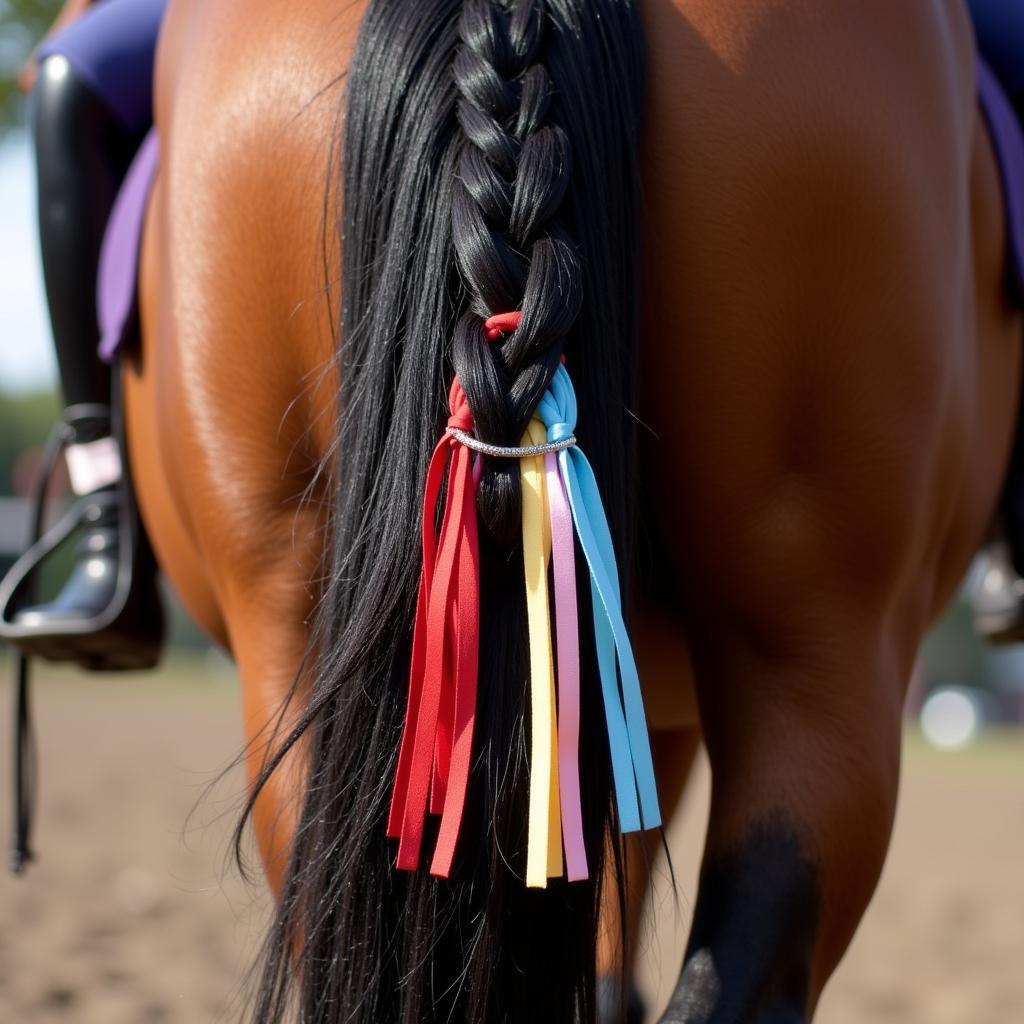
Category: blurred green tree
[22,25]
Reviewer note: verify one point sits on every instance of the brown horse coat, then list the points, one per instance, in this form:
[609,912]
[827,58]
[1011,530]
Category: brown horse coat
[829,363]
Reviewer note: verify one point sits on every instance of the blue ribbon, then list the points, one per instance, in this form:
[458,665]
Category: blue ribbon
[632,765]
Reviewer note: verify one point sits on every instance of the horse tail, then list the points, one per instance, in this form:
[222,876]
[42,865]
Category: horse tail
[490,164]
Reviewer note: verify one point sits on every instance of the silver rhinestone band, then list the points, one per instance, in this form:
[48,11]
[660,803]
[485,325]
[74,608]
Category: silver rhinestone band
[509,453]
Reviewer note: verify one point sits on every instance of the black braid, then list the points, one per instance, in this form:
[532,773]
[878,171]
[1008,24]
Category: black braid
[512,247]
[461,117]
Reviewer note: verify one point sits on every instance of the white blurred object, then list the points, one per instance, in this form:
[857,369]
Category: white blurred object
[951,718]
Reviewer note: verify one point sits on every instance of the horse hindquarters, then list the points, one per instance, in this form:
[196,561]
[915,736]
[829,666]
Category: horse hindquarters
[231,399]
[245,339]
[832,409]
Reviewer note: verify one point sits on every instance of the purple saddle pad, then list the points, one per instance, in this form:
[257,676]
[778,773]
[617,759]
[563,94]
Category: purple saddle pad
[117,282]
[1007,141]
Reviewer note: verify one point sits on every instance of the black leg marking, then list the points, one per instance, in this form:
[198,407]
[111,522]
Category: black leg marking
[749,954]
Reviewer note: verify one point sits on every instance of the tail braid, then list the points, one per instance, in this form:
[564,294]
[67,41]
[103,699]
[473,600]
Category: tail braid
[513,249]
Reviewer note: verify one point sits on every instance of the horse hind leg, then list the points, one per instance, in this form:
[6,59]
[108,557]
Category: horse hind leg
[815,407]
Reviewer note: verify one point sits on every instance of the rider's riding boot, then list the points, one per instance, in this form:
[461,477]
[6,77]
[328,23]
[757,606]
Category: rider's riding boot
[108,614]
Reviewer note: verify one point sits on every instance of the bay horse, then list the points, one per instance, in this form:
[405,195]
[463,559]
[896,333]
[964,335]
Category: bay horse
[798,374]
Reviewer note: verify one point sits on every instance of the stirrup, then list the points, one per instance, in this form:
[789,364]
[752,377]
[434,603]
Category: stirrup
[93,643]
[123,636]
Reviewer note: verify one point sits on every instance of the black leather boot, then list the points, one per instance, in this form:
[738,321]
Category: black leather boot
[108,615]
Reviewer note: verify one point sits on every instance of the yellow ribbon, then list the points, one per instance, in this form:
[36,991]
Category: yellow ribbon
[544,836]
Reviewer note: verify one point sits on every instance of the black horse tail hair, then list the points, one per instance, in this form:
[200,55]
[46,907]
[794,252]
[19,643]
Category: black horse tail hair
[490,156]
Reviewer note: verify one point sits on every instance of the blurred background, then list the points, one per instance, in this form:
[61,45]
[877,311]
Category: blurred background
[135,911]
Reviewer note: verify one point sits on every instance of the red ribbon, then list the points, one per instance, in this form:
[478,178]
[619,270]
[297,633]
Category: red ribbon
[437,739]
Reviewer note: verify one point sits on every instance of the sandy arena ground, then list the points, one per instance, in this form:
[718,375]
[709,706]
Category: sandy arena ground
[134,915]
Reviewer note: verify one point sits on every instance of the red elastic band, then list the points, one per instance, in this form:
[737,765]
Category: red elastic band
[502,323]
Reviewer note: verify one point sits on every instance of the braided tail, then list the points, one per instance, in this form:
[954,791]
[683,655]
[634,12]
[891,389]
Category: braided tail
[474,692]
[510,235]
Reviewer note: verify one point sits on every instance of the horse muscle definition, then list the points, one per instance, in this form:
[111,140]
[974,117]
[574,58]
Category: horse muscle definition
[775,270]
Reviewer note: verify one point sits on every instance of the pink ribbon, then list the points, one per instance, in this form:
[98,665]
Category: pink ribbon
[567,637]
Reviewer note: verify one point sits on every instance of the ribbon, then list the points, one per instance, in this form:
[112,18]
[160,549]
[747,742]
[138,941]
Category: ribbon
[544,846]
[437,738]
[558,493]
[632,764]
[567,636]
